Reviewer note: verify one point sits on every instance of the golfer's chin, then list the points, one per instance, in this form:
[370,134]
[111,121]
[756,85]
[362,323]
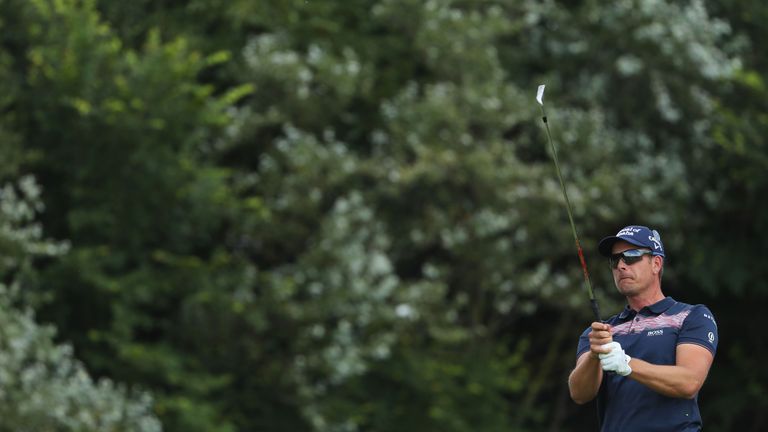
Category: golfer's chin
[626,288]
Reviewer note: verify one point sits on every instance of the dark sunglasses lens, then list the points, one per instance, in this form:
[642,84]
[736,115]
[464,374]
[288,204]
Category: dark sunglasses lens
[630,257]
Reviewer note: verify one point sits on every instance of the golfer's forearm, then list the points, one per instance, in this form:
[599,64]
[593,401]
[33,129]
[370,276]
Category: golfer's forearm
[672,381]
[584,381]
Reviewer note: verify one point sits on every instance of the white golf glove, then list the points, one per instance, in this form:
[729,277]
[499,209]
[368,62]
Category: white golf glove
[616,360]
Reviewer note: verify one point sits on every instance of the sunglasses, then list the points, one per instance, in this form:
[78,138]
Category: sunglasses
[629,256]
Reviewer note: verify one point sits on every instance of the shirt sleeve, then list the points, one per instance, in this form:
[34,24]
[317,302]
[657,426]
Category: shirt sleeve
[700,328]
[583,343]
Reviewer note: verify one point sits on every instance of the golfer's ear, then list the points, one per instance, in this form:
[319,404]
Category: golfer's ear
[658,262]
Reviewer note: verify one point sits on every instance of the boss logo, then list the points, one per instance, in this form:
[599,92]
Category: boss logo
[656,332]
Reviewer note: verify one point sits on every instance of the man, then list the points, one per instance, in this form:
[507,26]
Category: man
[646,364]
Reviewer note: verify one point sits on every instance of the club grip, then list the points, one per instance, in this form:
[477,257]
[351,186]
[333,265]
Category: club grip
[595,309]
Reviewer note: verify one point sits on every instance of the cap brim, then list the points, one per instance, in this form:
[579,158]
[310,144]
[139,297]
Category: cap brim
[605,247]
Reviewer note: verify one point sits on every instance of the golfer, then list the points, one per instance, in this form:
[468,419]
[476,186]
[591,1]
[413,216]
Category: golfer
[646,364]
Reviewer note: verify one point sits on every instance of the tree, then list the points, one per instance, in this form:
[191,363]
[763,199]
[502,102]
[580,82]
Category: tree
[43,386]
[317,215]
[114,135]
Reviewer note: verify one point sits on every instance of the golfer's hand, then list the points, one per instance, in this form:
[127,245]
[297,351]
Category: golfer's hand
[615,360]
[598,338]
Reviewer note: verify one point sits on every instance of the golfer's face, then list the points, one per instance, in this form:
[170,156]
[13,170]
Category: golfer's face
[632,279]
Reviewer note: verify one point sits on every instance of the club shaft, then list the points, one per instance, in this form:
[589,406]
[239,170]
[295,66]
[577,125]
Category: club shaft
[587,283]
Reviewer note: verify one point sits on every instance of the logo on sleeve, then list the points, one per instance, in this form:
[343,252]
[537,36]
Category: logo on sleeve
[711,337]
[710,317]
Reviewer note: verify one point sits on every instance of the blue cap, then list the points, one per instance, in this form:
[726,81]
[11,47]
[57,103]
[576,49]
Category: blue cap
[637,235]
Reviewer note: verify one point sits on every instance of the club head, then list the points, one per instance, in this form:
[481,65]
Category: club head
[540,94]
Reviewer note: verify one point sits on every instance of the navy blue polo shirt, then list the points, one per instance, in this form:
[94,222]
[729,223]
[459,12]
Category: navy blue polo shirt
[653,335]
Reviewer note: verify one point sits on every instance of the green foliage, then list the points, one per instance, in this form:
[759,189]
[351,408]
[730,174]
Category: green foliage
[339,216]
[126,129]
[44,388]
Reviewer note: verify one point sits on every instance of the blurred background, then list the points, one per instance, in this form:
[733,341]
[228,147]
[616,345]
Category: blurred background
[318,215]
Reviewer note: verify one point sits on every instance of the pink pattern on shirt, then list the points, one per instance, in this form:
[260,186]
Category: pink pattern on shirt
[651,323]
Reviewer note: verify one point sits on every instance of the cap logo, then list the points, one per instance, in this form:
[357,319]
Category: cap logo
[656,243]
[628,232]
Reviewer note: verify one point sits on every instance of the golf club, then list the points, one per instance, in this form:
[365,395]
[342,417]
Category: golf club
[592,300]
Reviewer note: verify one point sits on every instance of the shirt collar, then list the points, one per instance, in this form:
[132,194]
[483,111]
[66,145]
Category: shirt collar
[626,313]
[661,305]
[657,308]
